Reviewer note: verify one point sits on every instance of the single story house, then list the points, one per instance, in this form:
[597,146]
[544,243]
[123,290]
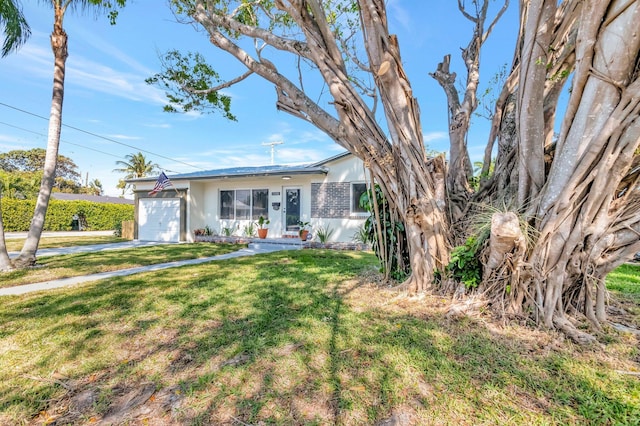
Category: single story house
[325,194]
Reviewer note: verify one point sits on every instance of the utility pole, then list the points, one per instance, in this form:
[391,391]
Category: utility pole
[273,149]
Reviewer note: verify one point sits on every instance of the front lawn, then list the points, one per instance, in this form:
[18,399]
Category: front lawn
[72,265]
[288,338]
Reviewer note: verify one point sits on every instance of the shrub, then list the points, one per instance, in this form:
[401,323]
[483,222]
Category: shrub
[324,234]
[17,214]
[465,267]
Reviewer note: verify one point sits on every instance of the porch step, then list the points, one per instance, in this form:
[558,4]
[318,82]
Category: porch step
[290,245]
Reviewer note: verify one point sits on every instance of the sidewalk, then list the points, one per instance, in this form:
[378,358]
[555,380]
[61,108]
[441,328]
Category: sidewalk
[23,235]
[90,248]
[66,282]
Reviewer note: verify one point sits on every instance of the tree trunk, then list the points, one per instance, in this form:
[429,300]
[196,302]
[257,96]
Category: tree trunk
[583,197]
[583,213]
[419,195]
[5,262]
[460,170]
[531,126]
[27,256]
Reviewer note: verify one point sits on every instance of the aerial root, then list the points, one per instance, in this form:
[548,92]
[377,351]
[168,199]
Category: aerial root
[572,332]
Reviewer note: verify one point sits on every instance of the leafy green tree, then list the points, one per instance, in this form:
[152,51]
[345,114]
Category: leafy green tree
[33,161]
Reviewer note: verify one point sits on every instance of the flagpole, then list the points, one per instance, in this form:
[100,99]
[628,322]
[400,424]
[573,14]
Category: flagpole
[173,186]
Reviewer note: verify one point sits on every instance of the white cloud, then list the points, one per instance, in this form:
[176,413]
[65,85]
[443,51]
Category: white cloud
[98,43]
[93,76]
[158,125]
[8,138]
[399,13]
[10,143]
[35,60]
[434,136]
[125,137]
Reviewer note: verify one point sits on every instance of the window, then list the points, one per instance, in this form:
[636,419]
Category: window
[357,189]
[226,205]
[260,203]
[244,204]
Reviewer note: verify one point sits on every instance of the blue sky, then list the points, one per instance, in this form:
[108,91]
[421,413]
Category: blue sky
[105,92]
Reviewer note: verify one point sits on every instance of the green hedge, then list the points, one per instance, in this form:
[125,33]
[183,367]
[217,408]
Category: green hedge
[17,214]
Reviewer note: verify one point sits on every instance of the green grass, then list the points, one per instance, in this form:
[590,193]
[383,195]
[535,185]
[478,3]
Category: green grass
[294,338]
[71,265]
[625,281]
[14,244]
[624,285]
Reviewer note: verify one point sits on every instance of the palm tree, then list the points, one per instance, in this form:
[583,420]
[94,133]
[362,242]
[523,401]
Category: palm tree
[16,30]
[59,46]
[135,166]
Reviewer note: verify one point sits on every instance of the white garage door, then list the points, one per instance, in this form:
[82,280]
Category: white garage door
[159,220]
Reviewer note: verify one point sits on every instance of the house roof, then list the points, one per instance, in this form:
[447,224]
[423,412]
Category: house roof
[87,197]
[236,172]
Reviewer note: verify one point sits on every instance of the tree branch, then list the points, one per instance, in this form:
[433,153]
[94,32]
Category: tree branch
[219,87]
[290,98]
[495,21]
[465,13]
[296,47]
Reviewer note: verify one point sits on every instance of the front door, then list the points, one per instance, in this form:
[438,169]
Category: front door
[291,210]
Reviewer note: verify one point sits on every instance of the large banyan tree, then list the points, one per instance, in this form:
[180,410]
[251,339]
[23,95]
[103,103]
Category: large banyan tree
[564,185]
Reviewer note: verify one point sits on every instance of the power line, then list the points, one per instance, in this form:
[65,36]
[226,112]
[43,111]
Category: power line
[72,143]
[102,137]
[61,140]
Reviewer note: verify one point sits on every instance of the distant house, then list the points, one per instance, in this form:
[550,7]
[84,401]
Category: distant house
[324,193]
[93,198]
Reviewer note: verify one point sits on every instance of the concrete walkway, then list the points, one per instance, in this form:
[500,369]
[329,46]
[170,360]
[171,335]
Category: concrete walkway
[66,282]
[91,248]
[23,235]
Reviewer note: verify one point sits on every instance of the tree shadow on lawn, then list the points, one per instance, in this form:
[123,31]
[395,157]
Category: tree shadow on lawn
[288,338]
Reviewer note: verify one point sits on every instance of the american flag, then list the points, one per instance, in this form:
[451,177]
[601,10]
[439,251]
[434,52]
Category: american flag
[162,182]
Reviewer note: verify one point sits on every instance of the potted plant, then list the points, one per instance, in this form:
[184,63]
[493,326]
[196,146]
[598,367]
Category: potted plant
[262,227]
[304,230]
